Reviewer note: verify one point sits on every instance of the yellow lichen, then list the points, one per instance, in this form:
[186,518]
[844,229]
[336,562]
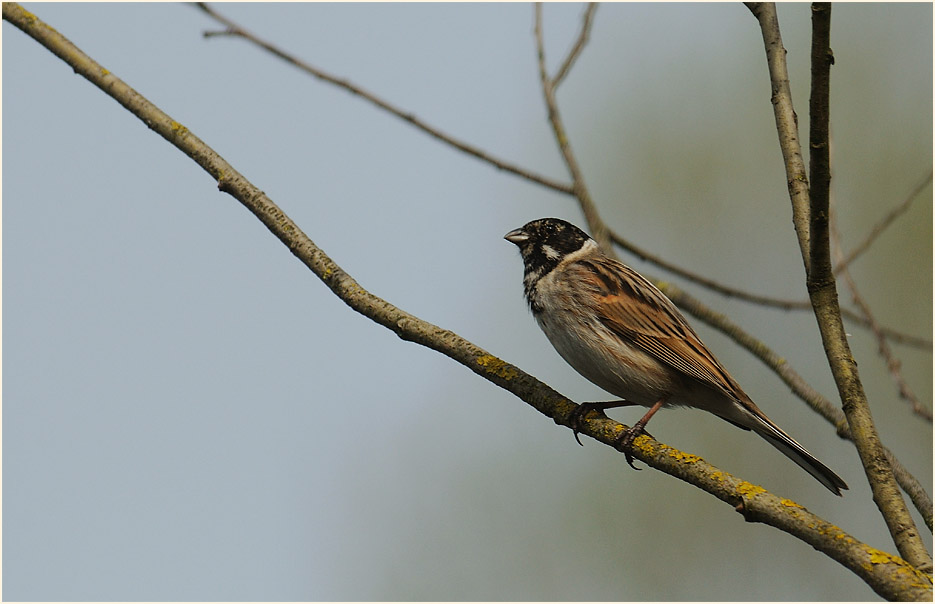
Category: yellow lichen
[498,367]
[748,489]
[879,557]
[682,456]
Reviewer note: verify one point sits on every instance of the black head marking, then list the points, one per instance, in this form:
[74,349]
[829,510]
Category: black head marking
[543,243]
[546,241]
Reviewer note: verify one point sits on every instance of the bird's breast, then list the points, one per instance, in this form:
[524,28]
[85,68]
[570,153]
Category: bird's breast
[601,356]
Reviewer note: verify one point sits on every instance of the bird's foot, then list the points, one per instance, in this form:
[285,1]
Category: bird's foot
[578,415]
[625,441]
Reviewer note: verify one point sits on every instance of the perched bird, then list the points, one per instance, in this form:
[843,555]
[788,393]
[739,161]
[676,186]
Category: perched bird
[623,334]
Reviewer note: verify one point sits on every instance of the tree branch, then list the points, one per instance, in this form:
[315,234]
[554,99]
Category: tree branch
[889,576]
[598,228]
[768,301]
[787,123]
[879,227]
[811,213]
[822,290]
[575,51]
[699,310]
[892,363]
[235,30]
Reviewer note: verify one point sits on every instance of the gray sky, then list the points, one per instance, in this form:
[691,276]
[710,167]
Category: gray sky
[189,414]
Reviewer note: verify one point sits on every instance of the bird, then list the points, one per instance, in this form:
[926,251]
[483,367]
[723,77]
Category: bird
[619,331]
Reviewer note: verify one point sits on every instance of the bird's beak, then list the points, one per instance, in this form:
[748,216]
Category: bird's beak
[517,236]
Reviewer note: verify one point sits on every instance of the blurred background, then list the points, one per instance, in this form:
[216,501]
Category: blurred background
[189,414]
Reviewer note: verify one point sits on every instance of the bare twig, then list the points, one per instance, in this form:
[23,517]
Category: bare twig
[575,51]
[717,320]
[889,333]
[769,301]
[598,228]
[787,123]
[879,227]
[811,212]
[235,30]
[711,284]
[774,361]
[888,575]
[892,363]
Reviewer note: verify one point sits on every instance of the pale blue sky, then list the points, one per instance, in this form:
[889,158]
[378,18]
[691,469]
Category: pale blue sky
[189,414]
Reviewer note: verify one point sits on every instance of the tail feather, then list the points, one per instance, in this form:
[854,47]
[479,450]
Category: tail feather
[775,436]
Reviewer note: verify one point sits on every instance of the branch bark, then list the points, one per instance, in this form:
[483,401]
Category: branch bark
[598,228]
[893,364]
[811,212]
[233,29]
[695,307]
[583,37]
[879,227]
[787,122]
[889,576]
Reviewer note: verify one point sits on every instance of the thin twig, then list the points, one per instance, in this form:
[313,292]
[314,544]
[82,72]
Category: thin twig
[711,284]
[235,30]
[696,308]
[767,301]
[575,51]
[879,227]
[892,363]
[888,575]
[890,333]
[598,228]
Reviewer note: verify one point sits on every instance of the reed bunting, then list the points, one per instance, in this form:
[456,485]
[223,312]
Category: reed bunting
[623,334]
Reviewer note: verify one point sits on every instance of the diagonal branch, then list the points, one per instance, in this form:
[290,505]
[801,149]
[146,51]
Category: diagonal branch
[879,227]
[769,301]
[889,576]
[892,363]
[888,332]
[235,30]
[575,51]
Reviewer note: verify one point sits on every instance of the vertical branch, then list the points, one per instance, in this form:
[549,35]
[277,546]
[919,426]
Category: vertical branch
[787,122]
[811,224]
[822,290]
[599,230]
[798,188]
[818,134]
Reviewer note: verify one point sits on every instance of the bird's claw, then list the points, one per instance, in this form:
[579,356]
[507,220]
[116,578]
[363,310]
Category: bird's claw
[578,414]
[625,442]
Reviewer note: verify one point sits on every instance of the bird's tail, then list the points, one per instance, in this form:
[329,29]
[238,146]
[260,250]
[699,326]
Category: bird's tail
[787,445]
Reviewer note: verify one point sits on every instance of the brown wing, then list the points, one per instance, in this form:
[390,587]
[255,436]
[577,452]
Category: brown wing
[635,310]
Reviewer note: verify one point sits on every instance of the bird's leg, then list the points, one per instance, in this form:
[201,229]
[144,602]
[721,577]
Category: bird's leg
[625,442]
[584,408]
